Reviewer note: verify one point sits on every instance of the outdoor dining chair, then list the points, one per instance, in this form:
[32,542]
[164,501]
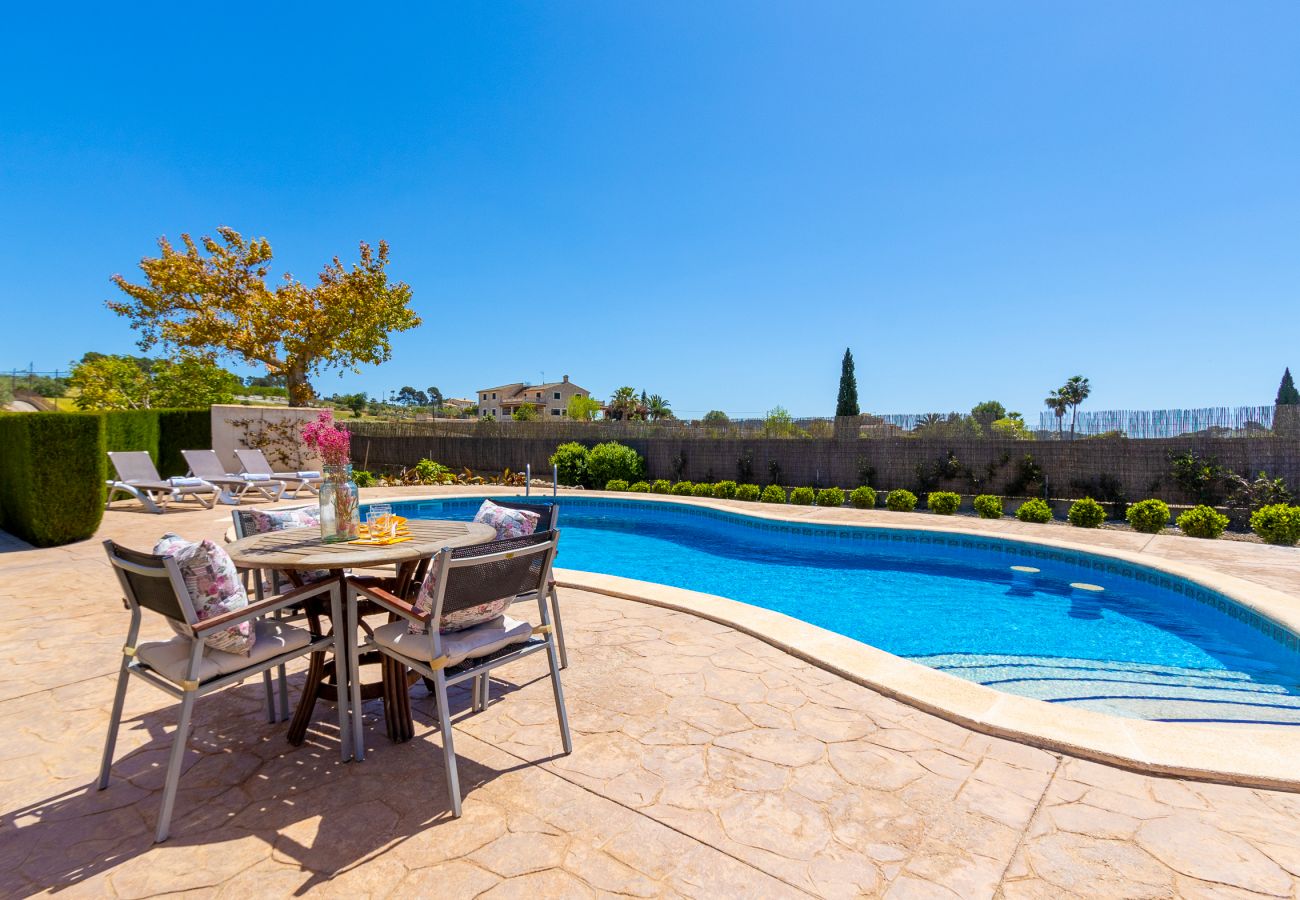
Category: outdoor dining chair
[254,462]
[548,518]
[138,477]
[459,581]
[207,465]
[186,668]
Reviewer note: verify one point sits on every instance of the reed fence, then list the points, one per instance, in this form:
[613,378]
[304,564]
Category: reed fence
[1135,469]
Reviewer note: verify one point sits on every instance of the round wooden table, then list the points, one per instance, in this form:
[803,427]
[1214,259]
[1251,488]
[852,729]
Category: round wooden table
[297,550]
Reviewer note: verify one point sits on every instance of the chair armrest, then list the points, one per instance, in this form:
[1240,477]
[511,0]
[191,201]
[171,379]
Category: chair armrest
[262,607]
[387,600]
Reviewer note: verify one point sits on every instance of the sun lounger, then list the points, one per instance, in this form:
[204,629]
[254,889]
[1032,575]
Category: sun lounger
[254,462]
[207,465]
[138,477]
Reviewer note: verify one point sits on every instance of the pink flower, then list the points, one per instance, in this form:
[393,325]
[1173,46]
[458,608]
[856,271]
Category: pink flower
[334,444]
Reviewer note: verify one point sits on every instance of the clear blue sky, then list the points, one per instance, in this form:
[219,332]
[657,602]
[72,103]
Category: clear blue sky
[708,200]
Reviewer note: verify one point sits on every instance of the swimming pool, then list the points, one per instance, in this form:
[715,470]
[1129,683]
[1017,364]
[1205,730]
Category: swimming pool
[1147,645]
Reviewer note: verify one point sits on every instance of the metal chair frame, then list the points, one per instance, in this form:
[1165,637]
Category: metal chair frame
[549,518]
[190,688]
[435,668]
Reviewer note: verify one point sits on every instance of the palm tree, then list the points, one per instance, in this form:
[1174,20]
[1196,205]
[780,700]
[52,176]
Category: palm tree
[1075,391]
[1057,403]
[623,405]
[657,408]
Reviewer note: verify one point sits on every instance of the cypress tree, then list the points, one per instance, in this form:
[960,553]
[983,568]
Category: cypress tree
[1287,395]
[847,404]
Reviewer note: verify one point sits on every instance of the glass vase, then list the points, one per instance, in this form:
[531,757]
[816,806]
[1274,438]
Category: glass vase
[340,505]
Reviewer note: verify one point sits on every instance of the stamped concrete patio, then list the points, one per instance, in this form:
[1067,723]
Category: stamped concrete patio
[706,763]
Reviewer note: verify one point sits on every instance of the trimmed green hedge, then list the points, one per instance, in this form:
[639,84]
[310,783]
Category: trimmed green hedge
[132,429]
[53,465]
[52,471]
[181,429]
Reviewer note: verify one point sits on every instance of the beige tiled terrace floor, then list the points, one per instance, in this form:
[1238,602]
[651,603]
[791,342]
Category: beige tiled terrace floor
[706,763]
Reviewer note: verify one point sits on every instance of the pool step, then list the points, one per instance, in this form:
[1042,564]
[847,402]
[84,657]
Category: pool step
[1162,693]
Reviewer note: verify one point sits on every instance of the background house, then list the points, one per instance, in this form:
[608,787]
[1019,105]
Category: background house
[551,400]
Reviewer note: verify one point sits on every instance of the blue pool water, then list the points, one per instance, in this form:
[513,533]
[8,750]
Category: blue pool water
[1148,646]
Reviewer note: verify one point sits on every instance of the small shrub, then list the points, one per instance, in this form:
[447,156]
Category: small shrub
[363,478]
[429,472]
[802,496]
[661,486]
[900,501]
[943,503]
[863,497]
[611,460]
[989,506]
[830,497]
[1086,513]
[1035,510]
[724,490]
[773,493]
[748,492]
[702,489]
[639,487]
[616,484]
[1149,516]
[1202,522]
[1277,524]
[683,488]
[570,461]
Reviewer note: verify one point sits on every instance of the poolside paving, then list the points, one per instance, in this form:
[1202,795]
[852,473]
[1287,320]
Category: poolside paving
[706,763]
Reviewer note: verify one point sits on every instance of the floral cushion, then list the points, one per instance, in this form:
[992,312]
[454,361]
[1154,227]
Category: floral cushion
[214,587]
[461,618]
[509,523]
[267,520]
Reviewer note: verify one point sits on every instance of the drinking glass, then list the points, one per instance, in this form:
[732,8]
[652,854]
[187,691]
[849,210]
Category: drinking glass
[379,520]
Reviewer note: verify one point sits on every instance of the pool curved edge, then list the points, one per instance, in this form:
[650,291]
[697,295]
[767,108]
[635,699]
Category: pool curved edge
[1254,757]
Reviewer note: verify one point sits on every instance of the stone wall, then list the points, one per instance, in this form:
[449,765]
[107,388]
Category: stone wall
[275,429]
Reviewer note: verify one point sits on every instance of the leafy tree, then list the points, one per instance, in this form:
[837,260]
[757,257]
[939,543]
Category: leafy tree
[847,402]
[779,423]
[1287,395]
[409,396]
[657,408]
[583,409]
[119,382]
[264,381]
[110,382]
[716,417]
[191,382]
[356,403]
[215,301]
[986,413]
[1012,426]
[436,400]
[1075,390]
[526,412]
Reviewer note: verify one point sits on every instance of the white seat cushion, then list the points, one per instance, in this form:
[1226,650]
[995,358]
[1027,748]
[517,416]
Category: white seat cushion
[457,646]
[170,659]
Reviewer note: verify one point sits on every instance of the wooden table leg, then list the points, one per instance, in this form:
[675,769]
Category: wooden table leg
[327,679]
